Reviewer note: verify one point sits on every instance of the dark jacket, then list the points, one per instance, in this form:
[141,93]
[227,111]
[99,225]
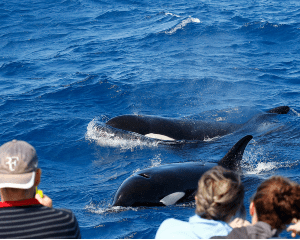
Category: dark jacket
[260,230]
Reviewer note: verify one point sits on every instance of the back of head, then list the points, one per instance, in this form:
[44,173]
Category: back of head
[18,164]
[277,202]
[220,194]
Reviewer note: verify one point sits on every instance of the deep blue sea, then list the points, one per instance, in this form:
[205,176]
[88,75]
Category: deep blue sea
[68,65]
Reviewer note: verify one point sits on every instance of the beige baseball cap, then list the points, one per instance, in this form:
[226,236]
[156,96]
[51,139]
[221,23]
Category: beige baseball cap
[18,164]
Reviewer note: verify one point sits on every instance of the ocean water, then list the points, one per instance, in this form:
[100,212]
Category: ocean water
[68,65]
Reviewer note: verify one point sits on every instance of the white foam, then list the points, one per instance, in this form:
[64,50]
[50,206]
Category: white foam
[265,126]
[172,14]
[207,139]
[220,119]
[294,111]
[91,207]
[256,161]
[108,139]
[262,167]
[156,161]
[182,24]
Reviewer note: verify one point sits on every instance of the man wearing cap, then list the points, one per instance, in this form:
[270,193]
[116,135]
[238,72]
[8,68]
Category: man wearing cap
[23,213]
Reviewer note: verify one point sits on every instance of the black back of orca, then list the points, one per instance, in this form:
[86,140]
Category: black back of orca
[173,128]
[176,128]
[172,183]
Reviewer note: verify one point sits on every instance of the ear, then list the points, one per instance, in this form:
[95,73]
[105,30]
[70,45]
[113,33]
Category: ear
[38,174]
[252,209]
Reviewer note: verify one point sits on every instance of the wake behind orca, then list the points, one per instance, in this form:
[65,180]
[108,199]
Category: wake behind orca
[172,183]
[177,129]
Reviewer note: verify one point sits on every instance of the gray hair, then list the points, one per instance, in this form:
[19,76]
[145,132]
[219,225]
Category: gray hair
[220,194]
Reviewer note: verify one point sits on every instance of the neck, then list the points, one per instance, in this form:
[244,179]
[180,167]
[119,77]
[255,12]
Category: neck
[254,219]
[12,194]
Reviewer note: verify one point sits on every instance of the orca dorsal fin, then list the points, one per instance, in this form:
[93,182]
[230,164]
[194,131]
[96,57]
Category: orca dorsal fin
[280,110]
[172,198]
[234,156]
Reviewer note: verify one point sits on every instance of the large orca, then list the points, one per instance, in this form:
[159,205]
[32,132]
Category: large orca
[172,183]
[177,129]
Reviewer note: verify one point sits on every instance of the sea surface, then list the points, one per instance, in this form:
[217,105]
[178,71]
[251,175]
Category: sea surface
[67,66]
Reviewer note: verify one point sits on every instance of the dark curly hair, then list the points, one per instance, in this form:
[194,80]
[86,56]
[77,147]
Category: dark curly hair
[277,202]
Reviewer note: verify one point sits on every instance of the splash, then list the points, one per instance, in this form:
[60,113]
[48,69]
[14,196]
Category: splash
[182,24]
[207,139]
[267,126]
[98,209]
[294,111]
[156,161]
[262,167]
[105,137]
[256,161]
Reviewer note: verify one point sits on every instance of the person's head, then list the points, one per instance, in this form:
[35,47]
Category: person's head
[220,194]
[18,170]
[276,202]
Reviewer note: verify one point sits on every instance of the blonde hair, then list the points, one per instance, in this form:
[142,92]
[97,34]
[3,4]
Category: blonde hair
[220,194]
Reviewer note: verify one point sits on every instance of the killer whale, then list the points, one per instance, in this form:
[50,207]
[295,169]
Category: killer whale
[172,183]
[177,129]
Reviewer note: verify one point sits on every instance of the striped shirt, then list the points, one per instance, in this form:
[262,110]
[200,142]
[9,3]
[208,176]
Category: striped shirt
[38,221]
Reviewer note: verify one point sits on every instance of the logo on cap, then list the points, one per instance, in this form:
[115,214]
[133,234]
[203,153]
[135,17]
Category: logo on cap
[12,162]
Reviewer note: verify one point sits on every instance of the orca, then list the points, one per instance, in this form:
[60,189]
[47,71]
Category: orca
[153,127]
[172,183]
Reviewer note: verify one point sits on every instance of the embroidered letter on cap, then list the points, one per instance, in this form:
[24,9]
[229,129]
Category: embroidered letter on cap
[12,162]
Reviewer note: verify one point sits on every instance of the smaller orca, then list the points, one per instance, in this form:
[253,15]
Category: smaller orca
[172,183]
[168,129]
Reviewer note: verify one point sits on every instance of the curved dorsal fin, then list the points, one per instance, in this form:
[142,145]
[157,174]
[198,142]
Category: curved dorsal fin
[280,110]
[234,156]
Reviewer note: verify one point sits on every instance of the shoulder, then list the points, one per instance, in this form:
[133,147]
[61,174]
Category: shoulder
[172,223]
[50,212]
[66,214]
[236,233]
[173,228]
[64,211]
[40,222]
[259,230]
[197,227]
[206,228]
[65,220]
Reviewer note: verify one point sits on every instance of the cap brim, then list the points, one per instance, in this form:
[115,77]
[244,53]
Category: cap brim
[22,181]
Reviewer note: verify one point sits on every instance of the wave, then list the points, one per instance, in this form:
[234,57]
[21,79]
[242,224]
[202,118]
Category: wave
[257,162]
[172,14]
[182,24]
[98,209]
[272,33]
[294,111]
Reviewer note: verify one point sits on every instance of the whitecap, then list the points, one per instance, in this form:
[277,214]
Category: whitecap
[294,111]
[182,24]
[173,15]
